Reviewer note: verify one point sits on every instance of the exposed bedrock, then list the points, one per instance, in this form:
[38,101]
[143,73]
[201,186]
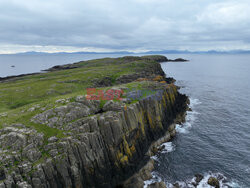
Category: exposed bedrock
[101,149]
[102,145]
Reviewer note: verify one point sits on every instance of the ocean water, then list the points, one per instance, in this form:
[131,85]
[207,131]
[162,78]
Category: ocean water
[30,63]
[215,139]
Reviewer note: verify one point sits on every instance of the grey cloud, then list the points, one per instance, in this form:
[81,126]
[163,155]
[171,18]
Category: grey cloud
[130,24]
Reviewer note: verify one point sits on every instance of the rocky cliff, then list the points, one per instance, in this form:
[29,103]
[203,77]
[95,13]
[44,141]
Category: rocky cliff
[102,144]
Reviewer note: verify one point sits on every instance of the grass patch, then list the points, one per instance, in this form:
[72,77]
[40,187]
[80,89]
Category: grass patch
[18,96]
[18,104]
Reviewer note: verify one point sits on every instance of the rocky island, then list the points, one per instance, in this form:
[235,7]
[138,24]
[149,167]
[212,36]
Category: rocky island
[56,132]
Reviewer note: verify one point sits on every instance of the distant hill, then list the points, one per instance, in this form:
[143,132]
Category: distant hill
[37,53]
[148,52]
[199,52]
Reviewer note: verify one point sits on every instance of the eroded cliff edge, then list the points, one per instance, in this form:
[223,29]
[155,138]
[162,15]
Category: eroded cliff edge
[102,144]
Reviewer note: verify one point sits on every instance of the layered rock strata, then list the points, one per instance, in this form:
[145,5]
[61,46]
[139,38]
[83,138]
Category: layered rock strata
[102,146]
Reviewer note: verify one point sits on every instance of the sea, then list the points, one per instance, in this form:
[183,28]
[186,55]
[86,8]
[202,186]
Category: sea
[214,140]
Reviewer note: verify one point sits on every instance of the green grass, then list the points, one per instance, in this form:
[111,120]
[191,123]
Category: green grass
[17,97]
[36,88]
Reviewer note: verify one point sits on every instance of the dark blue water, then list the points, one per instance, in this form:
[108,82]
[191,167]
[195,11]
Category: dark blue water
[216,137]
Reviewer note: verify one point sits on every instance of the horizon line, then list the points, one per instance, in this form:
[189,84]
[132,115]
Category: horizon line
[130,52]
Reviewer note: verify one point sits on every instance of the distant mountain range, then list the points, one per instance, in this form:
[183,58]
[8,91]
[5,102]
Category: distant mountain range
[148,52]
[198,52]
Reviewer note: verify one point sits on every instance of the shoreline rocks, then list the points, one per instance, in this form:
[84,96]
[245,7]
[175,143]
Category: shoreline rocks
[102,146]
[209,179]
[214,182]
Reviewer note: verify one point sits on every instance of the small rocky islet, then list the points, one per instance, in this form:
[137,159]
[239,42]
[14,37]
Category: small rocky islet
[58,137]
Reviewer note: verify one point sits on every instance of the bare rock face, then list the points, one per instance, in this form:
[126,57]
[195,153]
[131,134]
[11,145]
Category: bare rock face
[158,58]
[18,142]
[19,137]
[112,106]
[101,147]
[198,178]
[149,72]
[62,115]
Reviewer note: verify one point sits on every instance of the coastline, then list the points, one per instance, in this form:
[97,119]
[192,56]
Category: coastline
[71,66]
[113,140]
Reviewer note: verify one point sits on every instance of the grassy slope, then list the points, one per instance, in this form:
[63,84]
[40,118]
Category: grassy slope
[17,97]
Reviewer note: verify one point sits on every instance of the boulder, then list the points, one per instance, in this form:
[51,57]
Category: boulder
[213,182]
[157,185]
[176,185]
[198,178]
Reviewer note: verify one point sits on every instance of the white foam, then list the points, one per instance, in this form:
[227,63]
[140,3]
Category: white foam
[154,157]
[155,178]
[222,180]
[183,128]
[190,118]
[168,147]
[203,183]
[148,182]
[194,102]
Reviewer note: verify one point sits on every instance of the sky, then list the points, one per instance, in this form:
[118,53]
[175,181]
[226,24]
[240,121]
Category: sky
[118,25]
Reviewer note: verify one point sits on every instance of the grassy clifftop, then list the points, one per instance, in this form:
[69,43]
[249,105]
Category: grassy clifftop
[51,135]
[23,97]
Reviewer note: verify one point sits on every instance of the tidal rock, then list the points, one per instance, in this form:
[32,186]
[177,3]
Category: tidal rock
[157,185]
[176,185]
[198,178]
[214,182]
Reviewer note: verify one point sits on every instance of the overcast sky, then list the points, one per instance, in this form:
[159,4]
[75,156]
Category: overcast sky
[135,25]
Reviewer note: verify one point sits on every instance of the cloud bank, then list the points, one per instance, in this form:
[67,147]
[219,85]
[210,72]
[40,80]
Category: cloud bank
[135,25]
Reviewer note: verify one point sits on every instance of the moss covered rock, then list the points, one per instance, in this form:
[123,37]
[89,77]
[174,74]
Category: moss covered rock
[214,182]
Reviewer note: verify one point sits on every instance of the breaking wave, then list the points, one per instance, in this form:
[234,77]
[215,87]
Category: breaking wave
[190,118]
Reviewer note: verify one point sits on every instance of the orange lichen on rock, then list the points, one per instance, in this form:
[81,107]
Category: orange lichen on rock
[124,160]
[142,79]
[158,78]
[132,149]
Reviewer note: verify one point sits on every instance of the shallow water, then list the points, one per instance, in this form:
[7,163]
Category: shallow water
[216,136]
